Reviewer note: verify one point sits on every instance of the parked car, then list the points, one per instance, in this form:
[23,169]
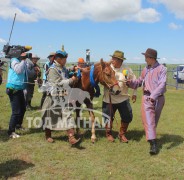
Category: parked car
[179,74]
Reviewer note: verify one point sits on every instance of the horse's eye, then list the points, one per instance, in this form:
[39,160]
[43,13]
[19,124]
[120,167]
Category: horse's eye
[108,75]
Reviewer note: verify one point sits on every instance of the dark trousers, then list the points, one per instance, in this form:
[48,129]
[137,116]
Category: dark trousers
[18,106]
[124,109]
[29,93]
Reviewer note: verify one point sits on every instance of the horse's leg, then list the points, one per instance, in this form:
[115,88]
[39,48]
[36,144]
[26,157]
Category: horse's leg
[77,120]
[91,113]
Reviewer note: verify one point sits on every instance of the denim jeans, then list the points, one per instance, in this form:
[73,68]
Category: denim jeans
[18,106]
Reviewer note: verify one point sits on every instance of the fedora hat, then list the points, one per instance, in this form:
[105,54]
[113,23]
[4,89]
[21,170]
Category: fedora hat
[118,54]
[51,54]
[34,56]
[151,53]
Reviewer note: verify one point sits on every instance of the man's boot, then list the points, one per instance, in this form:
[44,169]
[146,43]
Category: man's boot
[153,147]
[48,135]
[71,137]
[108,128]
[123,130]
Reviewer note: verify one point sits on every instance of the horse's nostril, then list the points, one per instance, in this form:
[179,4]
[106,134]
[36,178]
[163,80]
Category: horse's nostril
[117,92]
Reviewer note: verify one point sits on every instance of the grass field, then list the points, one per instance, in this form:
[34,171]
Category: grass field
[31,157]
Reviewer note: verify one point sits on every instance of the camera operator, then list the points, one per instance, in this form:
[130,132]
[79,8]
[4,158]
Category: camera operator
[34,73]
[16,83]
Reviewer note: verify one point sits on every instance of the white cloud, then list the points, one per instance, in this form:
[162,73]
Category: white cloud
[174,26]
[2,41]
[176,61]
[176,7]
[70,10]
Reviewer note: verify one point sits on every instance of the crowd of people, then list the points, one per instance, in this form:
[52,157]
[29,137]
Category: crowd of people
[23,73]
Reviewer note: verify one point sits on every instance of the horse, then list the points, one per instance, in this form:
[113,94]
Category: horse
[101,73]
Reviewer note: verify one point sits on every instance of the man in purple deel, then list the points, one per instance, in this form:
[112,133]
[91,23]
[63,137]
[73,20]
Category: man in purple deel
[153,80]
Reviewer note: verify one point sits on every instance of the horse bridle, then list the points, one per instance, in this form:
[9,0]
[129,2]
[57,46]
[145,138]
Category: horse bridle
[109,85]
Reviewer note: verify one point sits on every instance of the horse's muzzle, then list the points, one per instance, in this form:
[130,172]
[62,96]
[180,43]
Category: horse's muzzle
[117,92]
[115,89]
[114,92]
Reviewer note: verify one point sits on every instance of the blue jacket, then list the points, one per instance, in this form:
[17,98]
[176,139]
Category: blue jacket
[17,75]
[46,66]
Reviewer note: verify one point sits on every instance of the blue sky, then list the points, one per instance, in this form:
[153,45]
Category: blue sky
[103,26]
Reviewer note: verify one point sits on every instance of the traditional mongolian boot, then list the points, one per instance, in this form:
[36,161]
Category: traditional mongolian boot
[108,128]
[123,130]
[153,147]
[72,139]
[48,135]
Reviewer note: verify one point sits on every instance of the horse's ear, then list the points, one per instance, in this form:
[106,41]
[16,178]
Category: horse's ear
[102,63]
[109,62]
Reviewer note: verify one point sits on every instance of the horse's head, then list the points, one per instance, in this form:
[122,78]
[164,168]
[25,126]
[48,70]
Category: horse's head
[107,78]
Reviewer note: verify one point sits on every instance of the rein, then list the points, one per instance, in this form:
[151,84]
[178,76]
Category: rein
[109,86]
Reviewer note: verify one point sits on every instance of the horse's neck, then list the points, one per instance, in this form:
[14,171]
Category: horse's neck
[85,80]
[97,73]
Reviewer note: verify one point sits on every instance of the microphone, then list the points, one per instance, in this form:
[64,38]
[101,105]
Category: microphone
[27,48]
[125,73]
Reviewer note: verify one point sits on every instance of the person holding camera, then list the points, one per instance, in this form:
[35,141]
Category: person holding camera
[34,73]
[16,83]
[56,109]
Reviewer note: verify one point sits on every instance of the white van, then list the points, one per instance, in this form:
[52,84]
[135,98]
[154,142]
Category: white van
[179,74]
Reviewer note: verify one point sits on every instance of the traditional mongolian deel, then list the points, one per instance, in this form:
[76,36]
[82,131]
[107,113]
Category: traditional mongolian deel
[56,106]
[153,81]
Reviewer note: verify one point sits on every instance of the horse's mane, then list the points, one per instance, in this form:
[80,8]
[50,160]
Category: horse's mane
[87,69]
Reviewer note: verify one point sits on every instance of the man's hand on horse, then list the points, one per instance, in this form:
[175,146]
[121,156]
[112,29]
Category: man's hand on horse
[75,79]
[134,98]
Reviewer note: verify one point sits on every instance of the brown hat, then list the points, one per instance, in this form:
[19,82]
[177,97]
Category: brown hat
[151,53]
[118,54]
[51,54]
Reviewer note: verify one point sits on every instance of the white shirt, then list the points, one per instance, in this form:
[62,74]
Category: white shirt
[123,96]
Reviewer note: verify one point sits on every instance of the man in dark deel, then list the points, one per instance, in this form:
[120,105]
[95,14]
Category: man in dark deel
[33,73]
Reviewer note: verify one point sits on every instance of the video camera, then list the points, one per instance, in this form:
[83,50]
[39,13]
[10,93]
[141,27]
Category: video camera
[15,51]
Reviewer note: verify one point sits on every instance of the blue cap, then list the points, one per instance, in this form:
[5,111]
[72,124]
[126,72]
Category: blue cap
[62,53]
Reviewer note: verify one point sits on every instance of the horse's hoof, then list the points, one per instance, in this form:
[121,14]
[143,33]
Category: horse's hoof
[93,140]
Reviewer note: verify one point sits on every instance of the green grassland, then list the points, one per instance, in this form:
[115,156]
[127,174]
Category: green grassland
[31,157]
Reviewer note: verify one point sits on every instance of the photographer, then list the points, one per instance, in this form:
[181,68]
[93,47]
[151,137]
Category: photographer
[16,83]
[34,73]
